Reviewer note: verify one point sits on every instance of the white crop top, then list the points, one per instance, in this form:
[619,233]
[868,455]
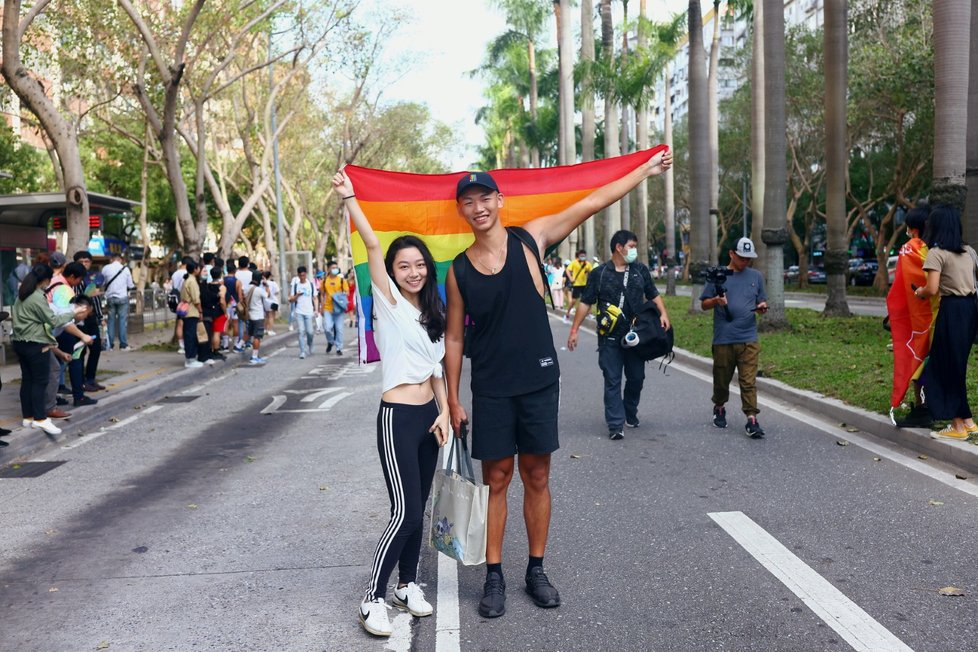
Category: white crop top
[407,354]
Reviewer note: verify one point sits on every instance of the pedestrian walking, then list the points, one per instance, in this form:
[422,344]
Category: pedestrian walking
[951,268]
[619,288]
[33,322]
[556,277]
[194,355]
[271,286]
[413,418]
[498,281]
[303,294]
[333,297]
[736,295]
[118,284]
[577,275]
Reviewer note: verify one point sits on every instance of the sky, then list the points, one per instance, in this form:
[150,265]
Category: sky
[442,41]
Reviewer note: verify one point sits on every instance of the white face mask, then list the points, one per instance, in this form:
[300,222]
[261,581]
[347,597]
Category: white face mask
[335,272]
[631,255]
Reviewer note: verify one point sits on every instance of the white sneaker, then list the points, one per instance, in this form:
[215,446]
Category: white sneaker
[565,320]
[181,350]
[411,599]
[210,361]
[193,364]
[47,426]
[291,328]
[27,423]
[271,333]
[302,356]
[127,348]
[373,617]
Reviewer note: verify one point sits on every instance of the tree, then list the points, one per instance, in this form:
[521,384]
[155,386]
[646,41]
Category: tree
[952,23]
[567,140]
[699,153]
[23,163]
[836,53]
[775,233]
[588,126]
[62,131]
[971,179]
[713,81]
[612,146]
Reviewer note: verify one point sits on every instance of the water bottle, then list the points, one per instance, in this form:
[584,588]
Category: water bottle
[630,339]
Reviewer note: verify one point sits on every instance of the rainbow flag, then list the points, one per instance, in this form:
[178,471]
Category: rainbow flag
[911,320]
[400,203]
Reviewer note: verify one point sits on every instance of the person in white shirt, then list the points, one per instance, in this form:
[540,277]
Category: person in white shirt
[413,418]
[273,296]
[256,296]
[118,282]
[244,279]
[304,294]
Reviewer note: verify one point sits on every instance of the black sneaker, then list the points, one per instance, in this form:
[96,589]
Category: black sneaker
[84,400]
[720,416]
[918,417]
[329,347]
[753,428]
[615,435]
[540,589]
[60,400]
[493,603]
[633,423]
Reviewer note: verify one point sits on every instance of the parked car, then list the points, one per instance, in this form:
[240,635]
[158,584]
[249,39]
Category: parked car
[816,276]
[791,274]
[891,264]
[862,272]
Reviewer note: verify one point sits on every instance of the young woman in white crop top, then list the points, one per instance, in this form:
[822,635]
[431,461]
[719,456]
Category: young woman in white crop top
[409,326]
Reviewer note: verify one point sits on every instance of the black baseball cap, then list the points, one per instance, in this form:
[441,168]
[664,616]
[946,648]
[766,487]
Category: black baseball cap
[470,179]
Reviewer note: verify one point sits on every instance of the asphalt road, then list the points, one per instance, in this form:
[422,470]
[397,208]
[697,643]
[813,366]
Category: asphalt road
[246,518]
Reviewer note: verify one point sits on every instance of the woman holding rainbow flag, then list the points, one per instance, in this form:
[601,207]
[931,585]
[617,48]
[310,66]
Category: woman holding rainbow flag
[411,425]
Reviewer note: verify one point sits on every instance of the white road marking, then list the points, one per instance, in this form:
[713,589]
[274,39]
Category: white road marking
[152,408]
[447,624]
[400,639]
[849,621]
[275,353]
[278,400]
[865,442]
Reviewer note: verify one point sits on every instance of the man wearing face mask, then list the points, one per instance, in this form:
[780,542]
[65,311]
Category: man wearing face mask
[619,287]
[333,284]
[575,277]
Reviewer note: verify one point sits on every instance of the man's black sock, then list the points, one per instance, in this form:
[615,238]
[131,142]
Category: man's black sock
[533,563]
[494,568]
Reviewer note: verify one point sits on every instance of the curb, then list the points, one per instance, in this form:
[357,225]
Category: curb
[960,454]
[25,442]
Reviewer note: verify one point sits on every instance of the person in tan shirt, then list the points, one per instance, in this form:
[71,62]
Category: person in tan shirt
[195,355]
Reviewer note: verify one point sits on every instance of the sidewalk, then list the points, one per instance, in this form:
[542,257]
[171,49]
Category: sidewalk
[131,379]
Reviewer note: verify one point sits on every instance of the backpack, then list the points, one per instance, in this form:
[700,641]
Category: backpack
[210,300]
[653,341]
[173,300]
[341,301]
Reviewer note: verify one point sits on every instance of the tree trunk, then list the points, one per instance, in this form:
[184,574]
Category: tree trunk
[952,21]
[775,233]
[59,131]
[624,142]
[587,109]
[568,145]
[713,120]
[836,47]
[971,178]
[672,243]
[612,215]
[642,138]
[534,150]
[143,219]
[757,135]
[699,154]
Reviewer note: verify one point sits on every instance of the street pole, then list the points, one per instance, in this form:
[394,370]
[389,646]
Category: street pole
[280,225]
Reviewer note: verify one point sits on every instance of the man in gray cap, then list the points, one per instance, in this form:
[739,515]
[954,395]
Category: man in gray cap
[735,302]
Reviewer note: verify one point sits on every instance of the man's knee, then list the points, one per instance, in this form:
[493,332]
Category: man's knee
[498,474]
[535,472]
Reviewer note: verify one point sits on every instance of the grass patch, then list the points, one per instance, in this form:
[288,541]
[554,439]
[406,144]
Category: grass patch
[165,347]
[845,358]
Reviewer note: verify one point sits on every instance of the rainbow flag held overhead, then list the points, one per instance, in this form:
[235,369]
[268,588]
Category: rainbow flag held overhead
[400,203]
[911,320]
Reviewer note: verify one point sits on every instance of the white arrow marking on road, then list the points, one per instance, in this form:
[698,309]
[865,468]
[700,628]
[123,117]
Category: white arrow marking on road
[277,401]
[330,402]
[857,627]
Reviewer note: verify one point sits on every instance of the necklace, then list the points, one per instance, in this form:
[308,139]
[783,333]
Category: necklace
[492,268]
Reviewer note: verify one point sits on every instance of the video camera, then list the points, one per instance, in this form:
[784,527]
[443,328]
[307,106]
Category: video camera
[717,276]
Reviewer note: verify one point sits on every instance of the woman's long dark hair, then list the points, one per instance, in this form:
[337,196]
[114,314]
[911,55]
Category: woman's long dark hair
[944,229]
[38,274]
[432,307]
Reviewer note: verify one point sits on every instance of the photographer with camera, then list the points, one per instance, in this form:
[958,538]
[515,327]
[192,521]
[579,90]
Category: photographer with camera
[735,293]
[619,287]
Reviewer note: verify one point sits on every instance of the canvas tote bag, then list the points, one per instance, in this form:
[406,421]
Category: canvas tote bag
[458,511]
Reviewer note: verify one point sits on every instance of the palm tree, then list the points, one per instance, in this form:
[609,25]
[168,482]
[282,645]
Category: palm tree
[588,126]
[642,139]
[567,147]
[699,153]
[612,216]
[527,19]
[714,123]
[952,22]
[775,233]
[836,47]
[626,118]
[971,204]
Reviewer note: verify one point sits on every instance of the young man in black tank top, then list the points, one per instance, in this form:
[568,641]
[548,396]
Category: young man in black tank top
[514,365]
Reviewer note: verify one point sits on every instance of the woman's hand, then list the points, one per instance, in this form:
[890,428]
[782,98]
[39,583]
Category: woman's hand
[660,162]
[342,184]
[440,428]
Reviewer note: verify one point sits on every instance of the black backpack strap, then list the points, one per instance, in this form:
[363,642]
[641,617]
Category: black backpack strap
[524,236]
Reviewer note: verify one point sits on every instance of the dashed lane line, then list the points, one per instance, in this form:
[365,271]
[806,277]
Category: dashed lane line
[447,623]
[849,621]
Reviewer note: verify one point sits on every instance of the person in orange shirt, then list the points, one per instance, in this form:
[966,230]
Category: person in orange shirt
[333,292]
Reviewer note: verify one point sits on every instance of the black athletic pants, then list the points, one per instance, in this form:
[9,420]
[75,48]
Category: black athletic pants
[408,456]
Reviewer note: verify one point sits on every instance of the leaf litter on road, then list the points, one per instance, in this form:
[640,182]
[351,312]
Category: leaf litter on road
[936,503]
[952,591]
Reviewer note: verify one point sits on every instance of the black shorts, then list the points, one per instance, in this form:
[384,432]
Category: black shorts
[256,328]
[503,426]
[577,291]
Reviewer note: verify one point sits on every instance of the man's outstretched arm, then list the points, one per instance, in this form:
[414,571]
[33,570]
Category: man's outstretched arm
[551,229]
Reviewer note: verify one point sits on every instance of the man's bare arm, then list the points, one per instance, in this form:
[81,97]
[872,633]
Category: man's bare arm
[454,340]
[551,229]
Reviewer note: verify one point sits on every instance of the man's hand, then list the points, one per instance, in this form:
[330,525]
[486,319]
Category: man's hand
[61,355]
[458,415]
[87,339]
[572,340]
[660,163]
[664,320]
[762,307]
